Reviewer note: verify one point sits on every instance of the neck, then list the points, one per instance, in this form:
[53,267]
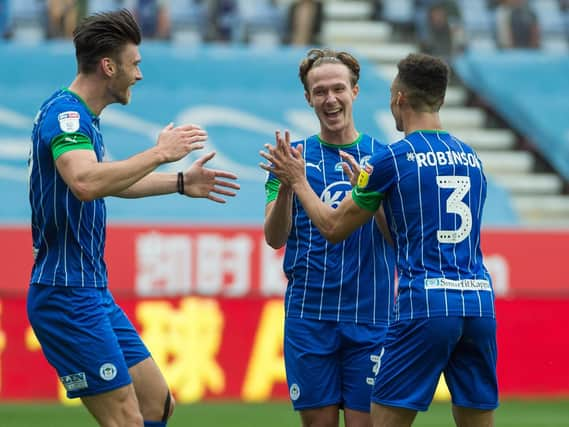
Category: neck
[421,121]
[343,137]
[92,91]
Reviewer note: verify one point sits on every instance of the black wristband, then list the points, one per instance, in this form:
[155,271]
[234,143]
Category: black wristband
[180,183]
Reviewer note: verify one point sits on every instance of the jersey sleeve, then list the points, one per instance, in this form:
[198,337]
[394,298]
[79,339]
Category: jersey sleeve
[272,185]
[66,127]
[374,180]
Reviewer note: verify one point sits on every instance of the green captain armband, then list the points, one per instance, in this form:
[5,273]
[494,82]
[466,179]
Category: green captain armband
[272,189]
[368,200]
[65,142]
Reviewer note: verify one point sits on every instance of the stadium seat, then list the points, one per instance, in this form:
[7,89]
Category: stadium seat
[96,6]
[399,11]
[27,20]
[478,19]
[259,22]
[188,21]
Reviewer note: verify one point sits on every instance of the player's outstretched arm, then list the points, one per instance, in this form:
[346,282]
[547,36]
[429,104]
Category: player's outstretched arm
[211,184]
[90,179]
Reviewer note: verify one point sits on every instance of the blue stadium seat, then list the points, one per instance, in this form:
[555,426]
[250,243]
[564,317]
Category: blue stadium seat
[478,19]
[96,6]
[399,11]
[259,22]
[27,19]
[188,20]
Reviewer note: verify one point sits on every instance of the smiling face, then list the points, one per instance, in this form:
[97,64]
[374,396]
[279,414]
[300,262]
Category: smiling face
[331,94]
[127,73]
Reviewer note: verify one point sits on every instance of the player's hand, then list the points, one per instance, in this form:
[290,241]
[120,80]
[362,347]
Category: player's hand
[351,167]
[285,162]
[202,182]
[176,142]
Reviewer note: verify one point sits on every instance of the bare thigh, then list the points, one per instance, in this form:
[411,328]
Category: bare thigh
[469,417]
[391,416]
[115,408]
[327,416]
[353,418]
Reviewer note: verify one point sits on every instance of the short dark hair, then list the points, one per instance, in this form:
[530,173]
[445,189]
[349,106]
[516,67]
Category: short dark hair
[424,79]
[316,57]
[104,34]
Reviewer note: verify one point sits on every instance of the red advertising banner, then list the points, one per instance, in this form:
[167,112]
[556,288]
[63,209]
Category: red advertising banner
[227,348]
[235,261]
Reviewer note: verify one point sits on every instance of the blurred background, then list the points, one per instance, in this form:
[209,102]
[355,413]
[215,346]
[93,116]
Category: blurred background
[197,279]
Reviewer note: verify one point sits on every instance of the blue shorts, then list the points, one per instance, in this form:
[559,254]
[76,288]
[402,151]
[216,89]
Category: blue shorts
[416,352]
[85,336]
[331,363]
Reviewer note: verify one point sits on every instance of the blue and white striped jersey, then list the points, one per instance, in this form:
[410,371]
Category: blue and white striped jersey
[349,281]
[68,234]
[433,188]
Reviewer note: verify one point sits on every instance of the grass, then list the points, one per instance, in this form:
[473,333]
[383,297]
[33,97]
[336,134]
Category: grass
[550,413]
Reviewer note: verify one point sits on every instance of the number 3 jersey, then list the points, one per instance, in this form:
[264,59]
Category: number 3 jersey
[433,189]
[350,281]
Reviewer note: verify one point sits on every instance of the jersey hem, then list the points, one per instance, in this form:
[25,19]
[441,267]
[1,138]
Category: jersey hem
[72,284]
[444,314]
[341,319]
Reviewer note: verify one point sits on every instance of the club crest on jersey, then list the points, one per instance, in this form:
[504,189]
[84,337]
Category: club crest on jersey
[363,178]
[69,121]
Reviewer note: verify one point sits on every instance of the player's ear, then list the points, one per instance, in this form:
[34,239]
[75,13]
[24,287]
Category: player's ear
[355,91]
[108,66]
[400,98]
[307,97]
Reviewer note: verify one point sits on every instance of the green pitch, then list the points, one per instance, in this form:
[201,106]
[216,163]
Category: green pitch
[510,414]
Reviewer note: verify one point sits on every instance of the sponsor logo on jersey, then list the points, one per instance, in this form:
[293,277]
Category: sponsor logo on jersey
[459,285]
[74,382]
[107,371]
[294,391]
[315,165]
[334,193]
[69,121]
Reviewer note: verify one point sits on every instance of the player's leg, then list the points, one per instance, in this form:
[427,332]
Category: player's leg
[77,339]
[115,408]
[359,352]
[468,417]
[327,416]
[409,367]
[353,418]
[154,399]
[312,369]
[391,416]
[471,374]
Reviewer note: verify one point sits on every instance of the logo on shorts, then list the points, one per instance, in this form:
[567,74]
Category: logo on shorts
[69,121]
[108,371]
[74,382]
[294,391]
